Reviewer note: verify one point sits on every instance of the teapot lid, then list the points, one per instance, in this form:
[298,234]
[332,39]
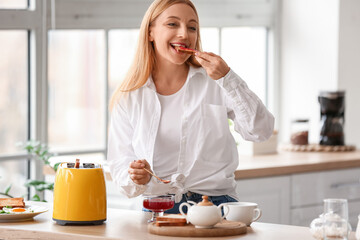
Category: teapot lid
[205,202]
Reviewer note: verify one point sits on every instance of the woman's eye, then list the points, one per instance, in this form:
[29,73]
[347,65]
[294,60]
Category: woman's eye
[172,24]
[192,28]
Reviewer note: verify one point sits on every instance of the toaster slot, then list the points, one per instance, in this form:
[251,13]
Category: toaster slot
[88,165]
[78,165]
[70,165]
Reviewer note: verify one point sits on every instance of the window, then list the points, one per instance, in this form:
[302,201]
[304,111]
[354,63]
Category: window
[13,4]
[122,44]
[244,49]
[14,89]
[76,75]
[13,107]
[210,39]
[13,174]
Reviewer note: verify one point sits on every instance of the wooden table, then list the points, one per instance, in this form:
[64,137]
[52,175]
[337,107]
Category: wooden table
[129,225]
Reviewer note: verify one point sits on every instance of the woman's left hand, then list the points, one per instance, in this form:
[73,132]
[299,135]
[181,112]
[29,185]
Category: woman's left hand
[214,65]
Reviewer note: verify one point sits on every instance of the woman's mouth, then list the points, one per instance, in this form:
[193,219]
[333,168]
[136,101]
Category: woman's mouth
[174,45]
[179,47]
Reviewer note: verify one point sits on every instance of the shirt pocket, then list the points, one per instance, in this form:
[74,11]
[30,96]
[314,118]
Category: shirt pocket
[214,119]
[214,132]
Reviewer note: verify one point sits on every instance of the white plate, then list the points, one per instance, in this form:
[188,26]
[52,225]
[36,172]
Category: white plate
[17,217]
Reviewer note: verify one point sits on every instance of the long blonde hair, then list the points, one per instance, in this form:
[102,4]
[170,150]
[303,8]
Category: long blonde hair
[144,59]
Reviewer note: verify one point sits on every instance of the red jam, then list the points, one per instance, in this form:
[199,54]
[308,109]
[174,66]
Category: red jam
[158,204]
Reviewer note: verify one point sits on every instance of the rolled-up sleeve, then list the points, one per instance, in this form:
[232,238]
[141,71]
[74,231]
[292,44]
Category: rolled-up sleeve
[251,118]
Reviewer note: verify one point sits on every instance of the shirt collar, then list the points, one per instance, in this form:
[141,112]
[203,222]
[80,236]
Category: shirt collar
[150,83]
[192,72]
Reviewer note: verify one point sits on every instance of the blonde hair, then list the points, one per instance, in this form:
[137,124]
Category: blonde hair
[144,60]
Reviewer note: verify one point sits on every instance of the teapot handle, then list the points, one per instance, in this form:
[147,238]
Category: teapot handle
[181,208]
[224,206]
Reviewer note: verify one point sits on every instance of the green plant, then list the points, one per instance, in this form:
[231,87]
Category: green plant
[38,151]
[6,192]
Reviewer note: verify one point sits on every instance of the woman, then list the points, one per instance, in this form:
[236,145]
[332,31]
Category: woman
[170,114]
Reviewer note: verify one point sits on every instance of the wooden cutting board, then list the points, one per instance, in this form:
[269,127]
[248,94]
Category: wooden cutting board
[224,228]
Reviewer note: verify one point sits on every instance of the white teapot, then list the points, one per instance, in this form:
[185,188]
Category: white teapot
[204,214]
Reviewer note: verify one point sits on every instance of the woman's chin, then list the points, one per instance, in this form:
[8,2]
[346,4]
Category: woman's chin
[176,59]
[180,59]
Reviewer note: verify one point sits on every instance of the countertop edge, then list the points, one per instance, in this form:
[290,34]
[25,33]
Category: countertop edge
[294,169]
[282,164]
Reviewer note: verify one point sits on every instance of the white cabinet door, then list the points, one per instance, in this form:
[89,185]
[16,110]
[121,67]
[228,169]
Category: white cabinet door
[303,216]
[308,191]
[271,194]
[312,188]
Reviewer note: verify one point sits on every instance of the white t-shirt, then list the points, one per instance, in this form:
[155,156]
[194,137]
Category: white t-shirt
[167,143]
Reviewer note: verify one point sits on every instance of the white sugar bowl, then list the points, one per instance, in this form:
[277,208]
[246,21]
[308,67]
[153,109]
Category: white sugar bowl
[204,214]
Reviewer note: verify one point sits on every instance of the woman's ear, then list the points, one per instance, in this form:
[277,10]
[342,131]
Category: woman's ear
[151,38]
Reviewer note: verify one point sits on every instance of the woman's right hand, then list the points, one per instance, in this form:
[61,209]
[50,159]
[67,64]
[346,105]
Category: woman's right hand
[137,174]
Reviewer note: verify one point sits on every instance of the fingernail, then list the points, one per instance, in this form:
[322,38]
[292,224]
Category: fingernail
[142,165]
[196,53]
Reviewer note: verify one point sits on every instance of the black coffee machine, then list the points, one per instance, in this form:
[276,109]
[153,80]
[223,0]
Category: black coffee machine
[332,109]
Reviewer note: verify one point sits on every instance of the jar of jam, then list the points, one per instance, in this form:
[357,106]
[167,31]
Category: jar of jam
[299,132]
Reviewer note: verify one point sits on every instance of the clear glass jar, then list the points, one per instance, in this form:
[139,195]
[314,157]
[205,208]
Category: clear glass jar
[357,233]
[299,132]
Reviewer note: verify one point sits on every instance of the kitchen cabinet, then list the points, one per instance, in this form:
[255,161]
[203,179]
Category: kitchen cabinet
[309,189]
[272,194]
[304,215]
[297,199]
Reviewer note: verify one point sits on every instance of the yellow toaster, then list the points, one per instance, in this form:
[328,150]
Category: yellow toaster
[79,194]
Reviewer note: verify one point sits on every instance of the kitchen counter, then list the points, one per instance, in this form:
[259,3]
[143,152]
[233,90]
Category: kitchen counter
[284,163]
[129,225]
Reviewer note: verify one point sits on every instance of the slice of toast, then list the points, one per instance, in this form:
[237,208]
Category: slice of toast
[169,223]
[171,220]
[12,202]
[186,50]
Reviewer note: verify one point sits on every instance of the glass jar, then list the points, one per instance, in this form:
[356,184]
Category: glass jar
[299,132]
[357,233]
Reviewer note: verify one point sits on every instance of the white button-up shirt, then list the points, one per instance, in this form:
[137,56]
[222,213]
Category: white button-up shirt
[208,154]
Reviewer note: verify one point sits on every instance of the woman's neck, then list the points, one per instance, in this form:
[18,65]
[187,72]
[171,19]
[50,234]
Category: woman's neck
[169,78]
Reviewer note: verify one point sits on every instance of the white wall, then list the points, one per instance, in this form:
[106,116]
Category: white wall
[315,58]
[349,66]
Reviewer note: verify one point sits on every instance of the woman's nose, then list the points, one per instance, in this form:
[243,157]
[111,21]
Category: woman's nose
[183,32]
